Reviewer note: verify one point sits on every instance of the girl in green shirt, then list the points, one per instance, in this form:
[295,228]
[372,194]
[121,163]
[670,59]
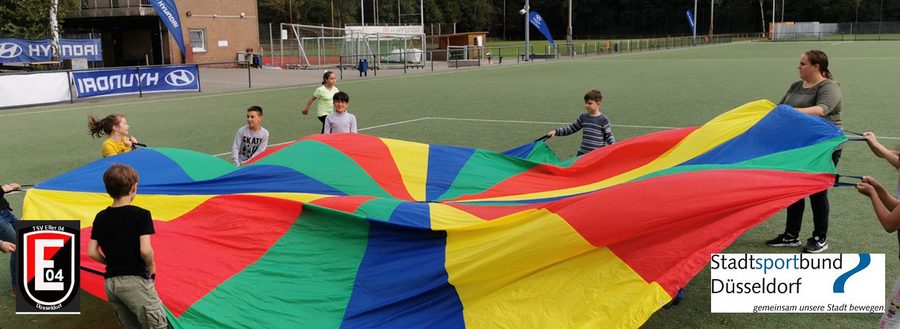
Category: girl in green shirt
[323,98]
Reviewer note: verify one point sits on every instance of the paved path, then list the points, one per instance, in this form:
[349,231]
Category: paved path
[225,79]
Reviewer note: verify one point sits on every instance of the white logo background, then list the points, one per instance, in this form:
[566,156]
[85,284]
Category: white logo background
[863,290]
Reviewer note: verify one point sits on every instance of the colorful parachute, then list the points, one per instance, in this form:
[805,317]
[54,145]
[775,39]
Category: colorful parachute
[358,231]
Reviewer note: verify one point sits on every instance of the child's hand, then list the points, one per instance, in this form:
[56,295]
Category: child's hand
[11,187]
[871,181]
[552,133]
[7,247]
[865,189]
[870,137]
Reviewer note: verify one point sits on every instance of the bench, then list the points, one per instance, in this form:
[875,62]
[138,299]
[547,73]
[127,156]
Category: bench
[462,63]
[538,56]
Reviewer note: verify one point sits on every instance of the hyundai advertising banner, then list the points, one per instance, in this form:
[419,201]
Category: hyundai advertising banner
[29,51]
[135,80]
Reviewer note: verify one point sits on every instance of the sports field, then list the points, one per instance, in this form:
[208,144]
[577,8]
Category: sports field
[501,107]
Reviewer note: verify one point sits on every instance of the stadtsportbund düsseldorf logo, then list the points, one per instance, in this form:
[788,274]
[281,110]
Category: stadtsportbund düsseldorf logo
[48,267]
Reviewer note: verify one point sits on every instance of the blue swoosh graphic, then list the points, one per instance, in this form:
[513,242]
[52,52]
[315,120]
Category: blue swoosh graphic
[864,261]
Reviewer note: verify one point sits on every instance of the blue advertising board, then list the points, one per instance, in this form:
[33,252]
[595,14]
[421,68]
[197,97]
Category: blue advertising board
[30,51]
[97,83]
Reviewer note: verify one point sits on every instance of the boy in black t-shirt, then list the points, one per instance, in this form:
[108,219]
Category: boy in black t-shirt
[122,232]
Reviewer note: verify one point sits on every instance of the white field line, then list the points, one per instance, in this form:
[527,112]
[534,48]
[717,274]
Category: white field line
[510,121]
[82,106]
[361,129]
[544,122]
[558,123]
[466,119]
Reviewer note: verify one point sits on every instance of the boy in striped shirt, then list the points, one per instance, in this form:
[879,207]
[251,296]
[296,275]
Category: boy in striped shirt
[597,131]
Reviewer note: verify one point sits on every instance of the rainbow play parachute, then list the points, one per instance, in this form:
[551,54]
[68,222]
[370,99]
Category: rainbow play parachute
[358,231]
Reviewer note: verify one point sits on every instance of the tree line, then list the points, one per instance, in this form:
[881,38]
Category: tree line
[590,18]
[501,19]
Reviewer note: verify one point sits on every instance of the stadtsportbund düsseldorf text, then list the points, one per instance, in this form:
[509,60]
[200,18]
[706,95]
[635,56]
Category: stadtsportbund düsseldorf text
[763,286]
[793,262]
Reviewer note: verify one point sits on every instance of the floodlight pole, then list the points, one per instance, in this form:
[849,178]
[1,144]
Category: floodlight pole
[527,30]
[694,40]
[773,20]
[711,16]
[362,12]
[569,30]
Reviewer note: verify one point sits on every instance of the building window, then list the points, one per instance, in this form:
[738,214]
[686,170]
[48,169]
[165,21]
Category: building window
[198,40]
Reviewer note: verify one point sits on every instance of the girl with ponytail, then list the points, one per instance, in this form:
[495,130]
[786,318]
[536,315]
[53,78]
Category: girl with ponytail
[323,96]
[116,127]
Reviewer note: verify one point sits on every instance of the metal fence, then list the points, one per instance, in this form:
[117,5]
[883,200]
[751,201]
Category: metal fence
[102,4]
[852,31]
[477,56]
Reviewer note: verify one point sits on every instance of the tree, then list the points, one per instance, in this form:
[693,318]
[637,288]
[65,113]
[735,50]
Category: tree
[591,18]
[30,19]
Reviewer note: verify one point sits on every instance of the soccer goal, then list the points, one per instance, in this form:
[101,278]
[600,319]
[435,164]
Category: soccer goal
[309,46]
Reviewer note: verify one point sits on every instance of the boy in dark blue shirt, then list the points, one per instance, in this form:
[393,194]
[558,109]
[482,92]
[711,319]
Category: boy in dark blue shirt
[597,131]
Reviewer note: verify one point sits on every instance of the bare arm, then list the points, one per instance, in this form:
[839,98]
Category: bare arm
[147,254]
[890,220]
[886,198]
[885,205]
[308,104]
[94,252]
[893,157]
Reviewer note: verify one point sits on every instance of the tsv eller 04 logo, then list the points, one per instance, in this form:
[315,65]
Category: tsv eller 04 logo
[10,50]
[180,78]
[48,267]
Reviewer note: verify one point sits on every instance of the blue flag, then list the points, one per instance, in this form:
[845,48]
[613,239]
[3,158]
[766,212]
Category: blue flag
[690,17]
[168,13]
[539,23]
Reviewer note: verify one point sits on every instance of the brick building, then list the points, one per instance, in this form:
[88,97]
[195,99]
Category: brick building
[133,34]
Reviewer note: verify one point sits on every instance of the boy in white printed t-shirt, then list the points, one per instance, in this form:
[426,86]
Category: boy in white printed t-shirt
[250,140]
